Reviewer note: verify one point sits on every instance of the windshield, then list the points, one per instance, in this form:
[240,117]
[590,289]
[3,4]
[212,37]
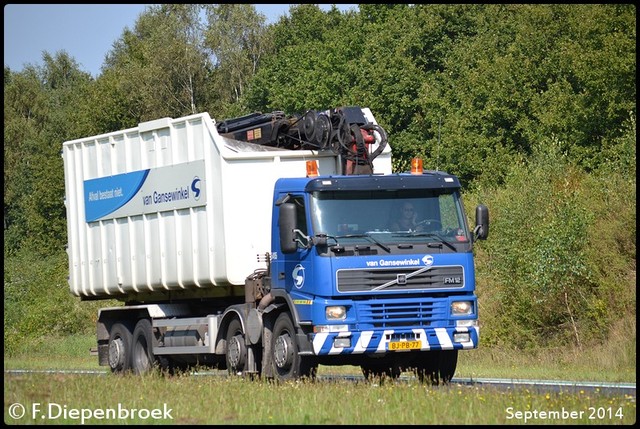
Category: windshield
[390,216]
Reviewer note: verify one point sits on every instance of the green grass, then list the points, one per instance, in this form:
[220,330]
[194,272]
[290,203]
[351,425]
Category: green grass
[555,364]
[72,352]
[208,399]
[222,400]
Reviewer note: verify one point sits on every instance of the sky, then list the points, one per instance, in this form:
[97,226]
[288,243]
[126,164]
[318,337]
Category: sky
[85,31]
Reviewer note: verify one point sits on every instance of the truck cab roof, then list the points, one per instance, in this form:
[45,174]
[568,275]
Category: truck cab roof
[426,180]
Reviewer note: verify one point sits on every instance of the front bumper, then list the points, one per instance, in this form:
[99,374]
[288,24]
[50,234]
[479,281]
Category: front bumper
[362,342]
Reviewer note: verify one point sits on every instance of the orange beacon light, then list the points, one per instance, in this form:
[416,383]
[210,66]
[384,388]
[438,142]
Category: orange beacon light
[416,166]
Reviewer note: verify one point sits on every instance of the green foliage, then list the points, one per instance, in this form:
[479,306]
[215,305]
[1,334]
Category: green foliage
[306,69]
[24,113]
[38,303]
[238,38]
[559,264]
[158,69]
[526,73]
[41,111]
[324,59]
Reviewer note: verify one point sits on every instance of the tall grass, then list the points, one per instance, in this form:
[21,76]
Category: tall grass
[230,401]
[210,399]
[613,360]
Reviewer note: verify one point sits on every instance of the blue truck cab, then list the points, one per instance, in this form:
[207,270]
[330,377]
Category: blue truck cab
[365,290]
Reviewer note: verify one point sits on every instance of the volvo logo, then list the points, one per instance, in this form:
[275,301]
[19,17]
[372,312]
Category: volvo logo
[401,279]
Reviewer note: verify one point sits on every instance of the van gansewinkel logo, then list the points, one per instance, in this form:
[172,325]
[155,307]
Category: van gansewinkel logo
[427,260]
[298,276]
[195,187]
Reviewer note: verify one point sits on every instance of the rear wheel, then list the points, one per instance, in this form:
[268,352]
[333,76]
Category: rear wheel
[142,359]
[120,343]
[287,363]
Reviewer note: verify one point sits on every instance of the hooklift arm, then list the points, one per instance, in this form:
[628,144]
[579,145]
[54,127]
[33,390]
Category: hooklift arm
[344,130]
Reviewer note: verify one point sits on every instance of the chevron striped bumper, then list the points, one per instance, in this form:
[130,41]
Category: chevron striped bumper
[378,341]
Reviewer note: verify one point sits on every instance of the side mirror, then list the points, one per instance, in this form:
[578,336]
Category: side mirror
[481,231]
[287,225]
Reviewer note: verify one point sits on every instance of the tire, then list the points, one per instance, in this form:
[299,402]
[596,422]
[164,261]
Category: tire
[447,365]
[120,344]
[236,354]
[287,363]
[142,359]
[382,370]
[437,367]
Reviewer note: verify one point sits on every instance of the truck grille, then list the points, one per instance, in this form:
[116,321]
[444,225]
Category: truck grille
[400,279]
[400,313]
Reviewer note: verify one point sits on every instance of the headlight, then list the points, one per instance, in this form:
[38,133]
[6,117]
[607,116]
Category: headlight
[461,308]
[336,312]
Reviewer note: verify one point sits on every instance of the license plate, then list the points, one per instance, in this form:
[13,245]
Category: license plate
[405,345]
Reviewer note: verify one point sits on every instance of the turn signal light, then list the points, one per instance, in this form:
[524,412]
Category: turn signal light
[312,169]
[416,166]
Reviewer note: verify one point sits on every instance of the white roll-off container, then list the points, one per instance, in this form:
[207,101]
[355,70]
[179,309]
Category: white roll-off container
[172,205]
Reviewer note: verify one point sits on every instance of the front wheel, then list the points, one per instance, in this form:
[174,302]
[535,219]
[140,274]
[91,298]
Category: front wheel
[381,369]
[436,367]
[236,355]
[287,363]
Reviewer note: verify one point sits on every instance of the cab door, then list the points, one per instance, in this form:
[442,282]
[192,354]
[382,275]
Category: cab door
[291,269]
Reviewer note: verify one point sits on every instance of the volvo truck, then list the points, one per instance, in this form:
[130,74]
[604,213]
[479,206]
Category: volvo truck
[265,246]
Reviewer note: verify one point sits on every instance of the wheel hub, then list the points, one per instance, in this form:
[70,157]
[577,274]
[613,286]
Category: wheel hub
[234,351]
[116,353]
[283,352]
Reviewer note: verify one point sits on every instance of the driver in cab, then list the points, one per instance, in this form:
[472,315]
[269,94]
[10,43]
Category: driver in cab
[405,219]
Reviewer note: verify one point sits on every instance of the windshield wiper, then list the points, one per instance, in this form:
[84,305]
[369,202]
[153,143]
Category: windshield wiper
[430,234]
[368,236]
